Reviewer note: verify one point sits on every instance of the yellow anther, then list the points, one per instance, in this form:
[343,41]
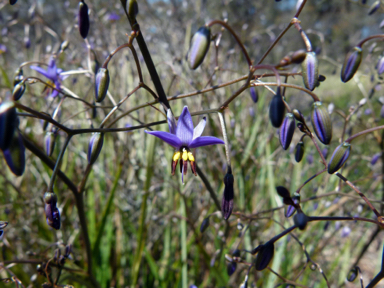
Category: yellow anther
[185,155]
[176,156]
[190,156]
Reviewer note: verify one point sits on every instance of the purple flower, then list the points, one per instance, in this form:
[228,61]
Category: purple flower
[53,74]
[345,232]
[183,137]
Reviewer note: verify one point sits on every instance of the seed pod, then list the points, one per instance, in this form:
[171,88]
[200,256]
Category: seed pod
[339,157]
[227,201]
[8,123]
[254,94]
[49,141]
[52,213]
[15,155]
[231,268]
[375,6]
[101,84]
[199,47]
[94,147]
[18,91]
[380,66]
[310,71]
[321,122]
[351,64]
[83,19]
[299,151]
[204,225]
[18,77]
[264,256]
[300,220]
[276,110]
[352,274]
[132,9]
[12,2]
[286,130]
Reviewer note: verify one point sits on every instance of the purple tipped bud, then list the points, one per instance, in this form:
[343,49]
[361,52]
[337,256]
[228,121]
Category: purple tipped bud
[18,91]
[18,77]
[101,84]
[264,256]
[276,110]
[382,112]
[300,220]
[8,123]
[231,268]
[132,9]
[310,71]
[94,147]
[299,151]
[352,274]
[375,6]
[351,64]
[15,155]
[380,66]
[68,250]
[49,143]
[199,47]
[83,19]
[254,94]
[291,209]
[204,225]
[52,213]
[12,2]
[375,158]
[321,122]
[227,202]
[287,130]
[339,157]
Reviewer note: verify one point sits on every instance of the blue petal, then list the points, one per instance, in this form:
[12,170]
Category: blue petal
[184,129]
[205,141]
[169,138]
[171,122]
[41,71]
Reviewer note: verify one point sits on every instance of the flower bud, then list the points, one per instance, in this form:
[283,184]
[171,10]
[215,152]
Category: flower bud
[276,111]
[3,224]
[231,268]
[52,213]
[375,6]
[286,130]
[298,56]
[339,157]
[15,155]
[64,46]
[204,225]
[83,19]
[299,151]
[94,147]
[68,250]
[199,47]
[18,77]
[351,64]
[49,141]
[300,220]
[352,274]
[8,123]
[132,9]
[264,256]
[291,209]
[284,193]
[380,66]
[298,115]
[310,71]
[18,91]
[12,2]
[254,94]
[321,122]
[227,202]
[101,84]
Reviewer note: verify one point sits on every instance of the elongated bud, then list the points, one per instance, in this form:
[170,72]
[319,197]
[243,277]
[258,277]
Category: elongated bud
[380,66]
[227,202]
[18,77]
[299,151]
[284,193]
[199,47]
[264,256]
[68,250]
[3,224]
[276,111]
[8,123]
[94,147]
[101,84]
[339,157]
[18,91]
[49,143]
[204,225]
[291,209]
[300,220]
[287,130]
[310,71]
[298,56]
[351,64]
[12,2]
[254,94]
[375,6]
[321,121]
[132,9]
[83,19]
[231,268]
[298,115]
[52,213]
[352,274]
[64,46]
[15,155]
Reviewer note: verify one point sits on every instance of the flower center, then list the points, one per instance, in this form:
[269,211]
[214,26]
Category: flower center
[185,156]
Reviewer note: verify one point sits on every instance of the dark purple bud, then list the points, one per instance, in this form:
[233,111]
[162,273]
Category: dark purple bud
[291,209]
[310,71]
[94,147]
[351,64]
[68,250]
[375,158]
[199,47]
[283,192]
[132,9]
[83,19]
[204,225]
[101,84]
[231,268]
[286,130]
[18,77]
[264,256]
[15,155]
[380,66]
[352,274]
[299,151]
[12,2]
[300,220]
[18,91]
[1,234]
[382,112]
[227,202]
[276,111]
[49,143]
[52,213]
[322,78]
[298,56]
[321,121]
[8,123]
[339,157]
[324,152]
[375,6]
[254,94]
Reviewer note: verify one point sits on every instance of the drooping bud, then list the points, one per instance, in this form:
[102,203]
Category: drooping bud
[12,2]
[83,19]
[132,9]
[8,123]
[15,155]
[204,225]
[351,64]
[298,115]
[321,122]
[300,220]
[49,143]
[352,274]
[291,209]
[264,256]
[380,66]
[227,201]
[310,71]
[101,84]
[299,151]
[254,94]
[18,91]
[286,130]
[375,6]
[68,250]
[298,56]
[276,110]
[64,46]
[231,268]
[284,193]
[52,213]
[199,47]
[339,157]
[18,77]
[94,147]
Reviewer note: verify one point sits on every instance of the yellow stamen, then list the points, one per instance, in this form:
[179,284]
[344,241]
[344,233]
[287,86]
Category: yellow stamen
[190,157]
[176,156]
[185,155]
